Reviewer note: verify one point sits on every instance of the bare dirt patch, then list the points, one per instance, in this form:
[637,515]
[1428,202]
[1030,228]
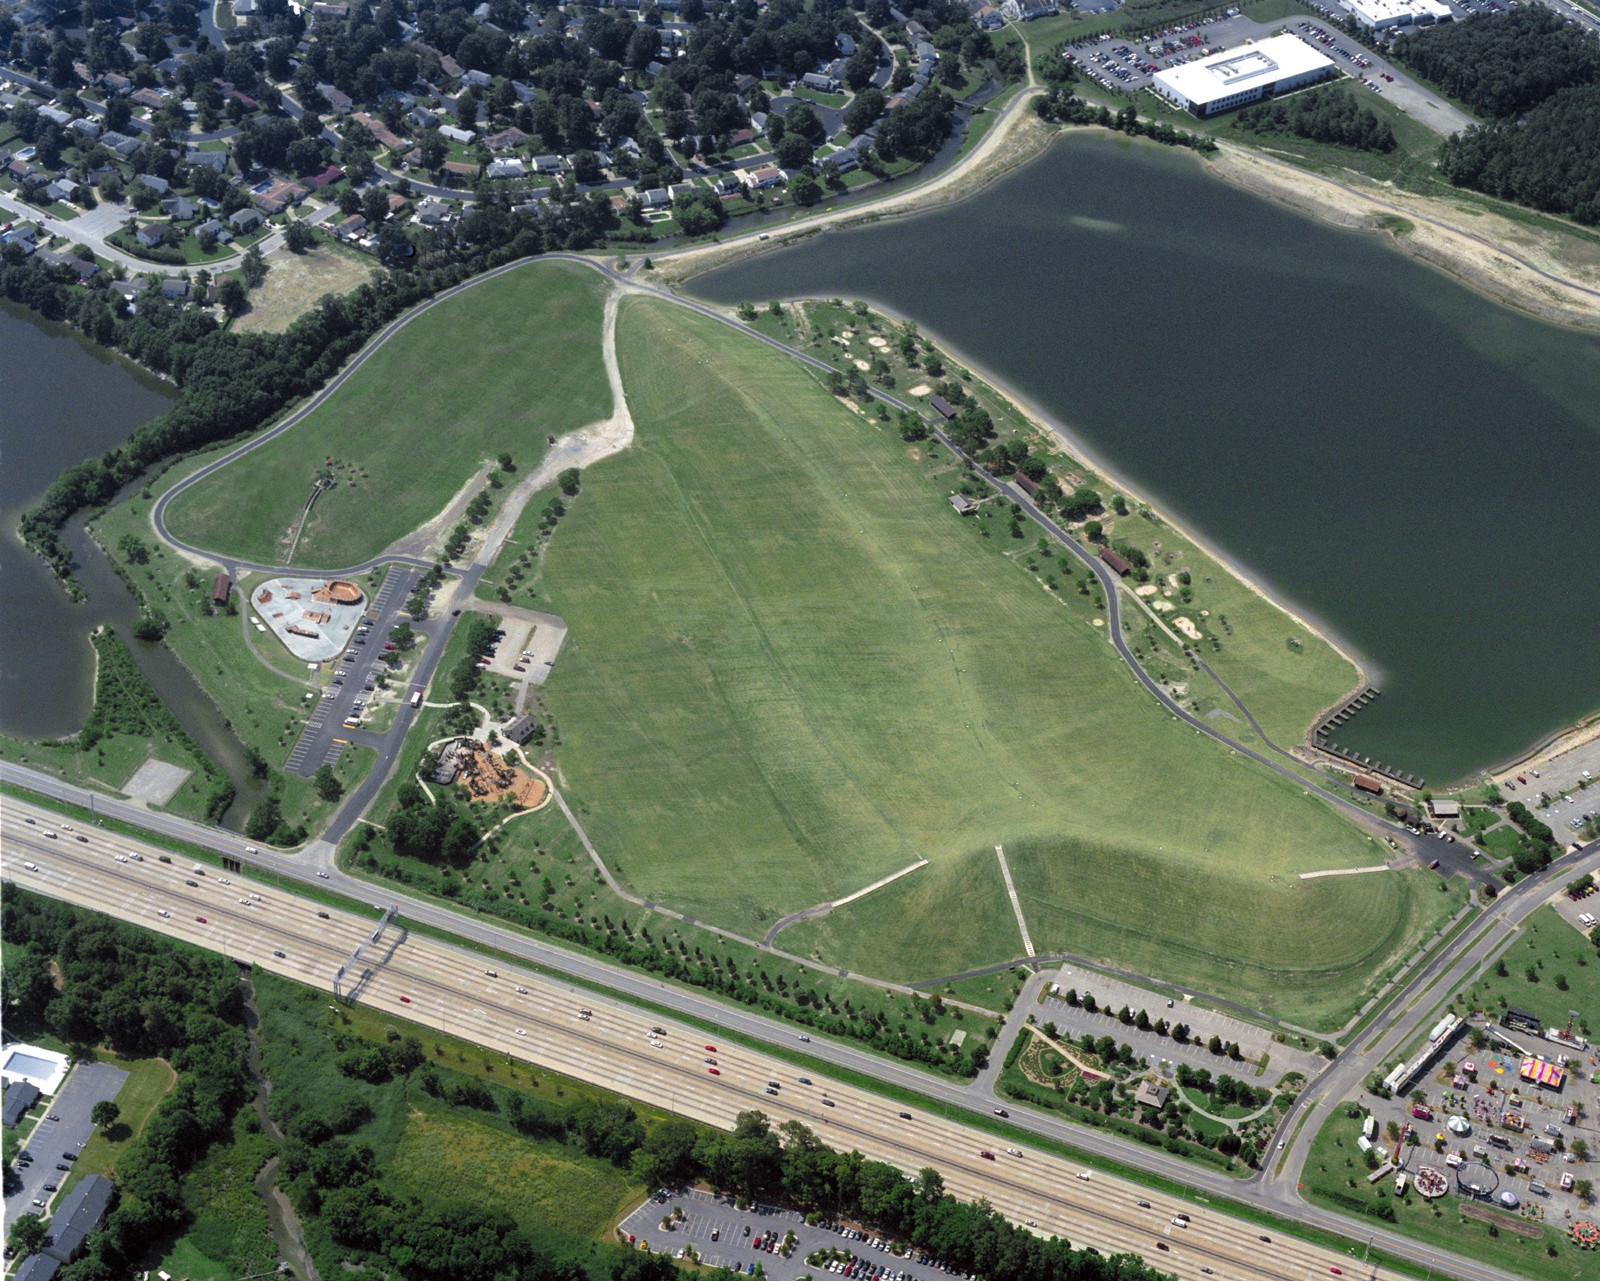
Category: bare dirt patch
[295,282]
[156,782]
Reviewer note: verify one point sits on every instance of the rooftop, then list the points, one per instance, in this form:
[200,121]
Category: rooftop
[1222,75]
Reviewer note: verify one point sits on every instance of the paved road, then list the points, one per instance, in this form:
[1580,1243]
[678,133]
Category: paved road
[531,1017]
[66,1127]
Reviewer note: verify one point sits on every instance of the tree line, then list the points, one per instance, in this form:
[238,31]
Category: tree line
[1322,115]
[143,996]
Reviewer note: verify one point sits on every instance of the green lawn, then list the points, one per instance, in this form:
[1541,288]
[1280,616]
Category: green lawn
[500,367]
[1557,954]
[1335,1176]
[147,1084]
[793,670]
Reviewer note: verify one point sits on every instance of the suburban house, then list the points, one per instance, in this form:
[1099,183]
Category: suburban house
[78,1214]
[178,207]
[158,185]
[341,102]
[121,144]
[766,176]
[278,197]
[354,225]
[246,220]
[216,161]
[62,189]
[464,136]
[547,164]
[505,168]
[215,228]
[819,82]
[506,140]
[151,234]
[148,98]
[964,506]
[432,213]
[174,288]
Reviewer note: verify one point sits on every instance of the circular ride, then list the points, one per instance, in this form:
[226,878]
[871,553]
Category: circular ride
[1430,1183]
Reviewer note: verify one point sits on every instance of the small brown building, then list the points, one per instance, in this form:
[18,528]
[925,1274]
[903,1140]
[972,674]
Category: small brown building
[1366,783]
[1026,484]
[1115,562]
[942,407]
[221,589]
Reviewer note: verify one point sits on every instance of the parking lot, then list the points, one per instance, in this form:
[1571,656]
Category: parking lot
[1127,66]
[1254,1041]
[1564,791]
[58,1136]
[725,1236]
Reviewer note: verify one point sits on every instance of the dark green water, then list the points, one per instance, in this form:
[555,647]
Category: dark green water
[62,399]
[1411,465]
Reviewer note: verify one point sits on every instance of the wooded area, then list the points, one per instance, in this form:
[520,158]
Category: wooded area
[1322,115]
[1537,79]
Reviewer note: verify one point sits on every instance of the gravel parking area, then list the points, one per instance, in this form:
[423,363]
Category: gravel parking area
[725,1236]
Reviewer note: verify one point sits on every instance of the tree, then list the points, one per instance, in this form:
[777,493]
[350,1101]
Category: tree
[27,1233]
[805,189]
[254,266]
[1585,1190]
[328,787]
[1579,1149]
[231,294]
[568,481]
[105,1113]
[298,237]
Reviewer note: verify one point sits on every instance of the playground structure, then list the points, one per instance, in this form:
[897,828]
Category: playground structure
[488,777]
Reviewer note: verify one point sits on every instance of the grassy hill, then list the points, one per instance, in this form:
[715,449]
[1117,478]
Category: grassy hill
[500,367]
[793,670]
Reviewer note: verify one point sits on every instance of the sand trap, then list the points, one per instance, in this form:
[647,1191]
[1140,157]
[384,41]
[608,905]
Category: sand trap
[1097,622]
[921,389]
[863,366]
[1162,606]
[879,341]
[1185,626]
[1148,589]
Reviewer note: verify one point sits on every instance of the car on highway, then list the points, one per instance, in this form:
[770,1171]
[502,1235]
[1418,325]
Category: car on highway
[323,875]
[827,1103]
[405,1000]
[714,1071]
[522,991]
[1001,1112]
[1180,1221]
[278,954]
[201,919]
[770,1090]
[711,1049]
[522,1031]
[987,1156]
[323,916]
[1018,1152]
[803,1080]
[1162,1245]
[1144,1205]
[804,1037]
[194,884]
[162,912]
[905,1116]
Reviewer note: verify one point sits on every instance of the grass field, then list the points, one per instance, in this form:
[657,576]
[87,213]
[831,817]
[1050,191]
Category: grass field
[147,1084]
[1564,969]
[1283,671]
[1336,1177]
[498,368]
[295,281]
[793,670]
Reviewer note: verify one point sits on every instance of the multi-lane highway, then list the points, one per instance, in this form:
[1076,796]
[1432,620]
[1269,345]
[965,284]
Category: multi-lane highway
[540,1021]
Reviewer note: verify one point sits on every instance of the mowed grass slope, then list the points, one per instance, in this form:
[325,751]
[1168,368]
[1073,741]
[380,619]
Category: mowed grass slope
[792,669]
[499,367]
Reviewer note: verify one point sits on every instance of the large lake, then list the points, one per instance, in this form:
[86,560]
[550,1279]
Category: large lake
[62,400]
[1408,463]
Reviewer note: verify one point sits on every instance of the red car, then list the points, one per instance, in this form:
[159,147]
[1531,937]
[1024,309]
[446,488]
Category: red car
[987,1156]
[711,1049]
[405,1000]
[1336,1272]
[714,1071]
[201,919]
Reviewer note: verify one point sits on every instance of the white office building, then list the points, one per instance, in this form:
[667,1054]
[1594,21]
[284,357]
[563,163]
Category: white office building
[1236,77]
[1380,15]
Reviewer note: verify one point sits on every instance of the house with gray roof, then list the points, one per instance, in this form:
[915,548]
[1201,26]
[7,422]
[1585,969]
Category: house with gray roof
[19,1098]
[79,1213]
[38,1267]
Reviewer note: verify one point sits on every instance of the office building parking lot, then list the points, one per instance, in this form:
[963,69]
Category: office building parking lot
[724,1236]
